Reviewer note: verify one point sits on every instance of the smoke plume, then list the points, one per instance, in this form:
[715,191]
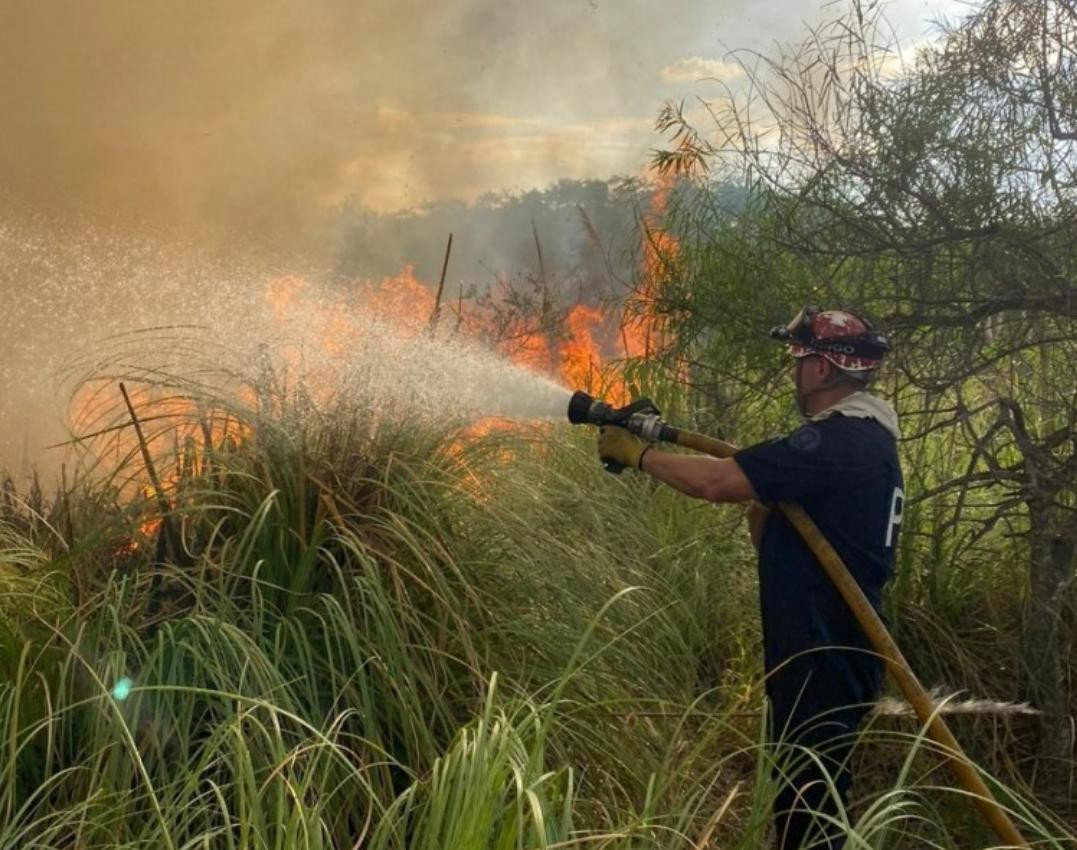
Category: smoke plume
[234,119]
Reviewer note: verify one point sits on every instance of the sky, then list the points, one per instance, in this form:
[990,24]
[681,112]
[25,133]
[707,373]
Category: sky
[248,117]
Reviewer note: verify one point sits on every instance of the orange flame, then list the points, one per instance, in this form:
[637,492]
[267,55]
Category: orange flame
[585,352]
[643,328]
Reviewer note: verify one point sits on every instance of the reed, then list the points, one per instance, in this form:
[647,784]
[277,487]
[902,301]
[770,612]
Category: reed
[406,636]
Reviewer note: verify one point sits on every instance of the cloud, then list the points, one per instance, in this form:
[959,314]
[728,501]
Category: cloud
[691,69]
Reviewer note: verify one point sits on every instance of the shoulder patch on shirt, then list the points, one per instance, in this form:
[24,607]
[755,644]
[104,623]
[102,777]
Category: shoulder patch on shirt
[806,438]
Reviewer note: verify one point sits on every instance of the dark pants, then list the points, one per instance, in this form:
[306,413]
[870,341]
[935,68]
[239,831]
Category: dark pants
[813,775]
[817,704]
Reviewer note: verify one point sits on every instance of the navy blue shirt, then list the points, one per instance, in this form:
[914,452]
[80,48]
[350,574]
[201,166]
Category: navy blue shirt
[844,472]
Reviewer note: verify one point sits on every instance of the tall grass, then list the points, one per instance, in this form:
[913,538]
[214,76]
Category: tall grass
[405,637]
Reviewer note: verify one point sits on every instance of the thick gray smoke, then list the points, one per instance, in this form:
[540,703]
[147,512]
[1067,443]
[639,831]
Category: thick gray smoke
[225,117]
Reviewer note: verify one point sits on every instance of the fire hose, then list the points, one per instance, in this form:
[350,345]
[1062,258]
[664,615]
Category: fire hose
[644,420]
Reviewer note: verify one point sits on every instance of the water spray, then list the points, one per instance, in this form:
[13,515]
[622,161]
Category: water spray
[643,419]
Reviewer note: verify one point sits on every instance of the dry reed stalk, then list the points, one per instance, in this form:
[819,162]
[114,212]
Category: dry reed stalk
[435,314]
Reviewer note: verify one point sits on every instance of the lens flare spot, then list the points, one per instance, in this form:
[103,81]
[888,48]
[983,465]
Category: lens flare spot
[122,689]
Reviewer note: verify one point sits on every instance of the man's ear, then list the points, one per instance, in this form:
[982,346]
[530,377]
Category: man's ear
[828,373]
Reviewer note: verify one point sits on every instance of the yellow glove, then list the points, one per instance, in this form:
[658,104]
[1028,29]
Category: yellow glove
[620,446]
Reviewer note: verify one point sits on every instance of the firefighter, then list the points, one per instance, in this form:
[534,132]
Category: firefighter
[842,466]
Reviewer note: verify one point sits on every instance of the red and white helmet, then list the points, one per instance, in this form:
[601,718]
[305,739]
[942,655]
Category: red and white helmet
[842,337]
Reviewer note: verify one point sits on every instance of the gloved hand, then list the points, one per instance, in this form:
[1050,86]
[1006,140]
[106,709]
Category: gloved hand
[621,446]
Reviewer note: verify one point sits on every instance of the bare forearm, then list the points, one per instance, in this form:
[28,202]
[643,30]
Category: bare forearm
[699,476]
